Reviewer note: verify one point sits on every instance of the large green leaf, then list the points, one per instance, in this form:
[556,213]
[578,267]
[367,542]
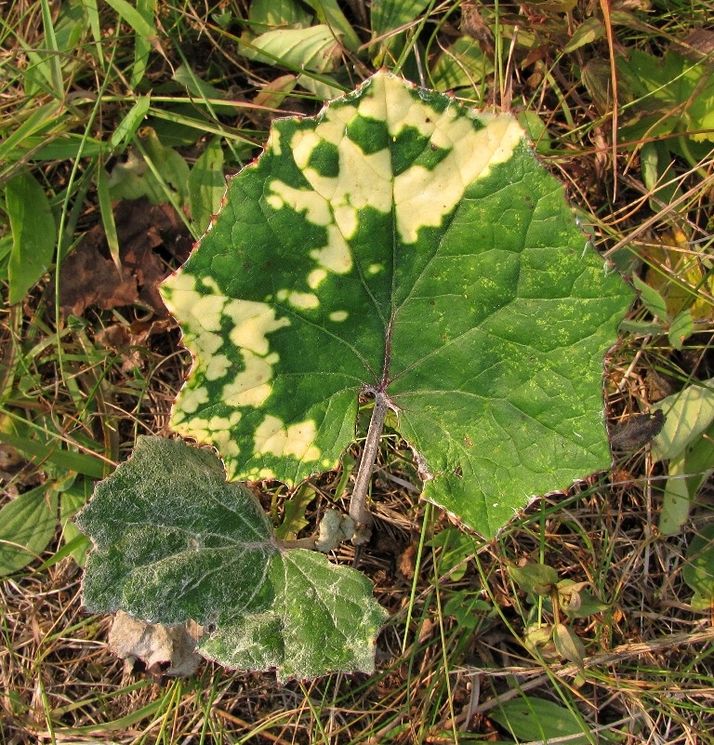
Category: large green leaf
[173,541]
[400,243]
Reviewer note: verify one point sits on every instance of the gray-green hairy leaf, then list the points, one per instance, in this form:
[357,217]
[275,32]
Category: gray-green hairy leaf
[402,244]
[173,541]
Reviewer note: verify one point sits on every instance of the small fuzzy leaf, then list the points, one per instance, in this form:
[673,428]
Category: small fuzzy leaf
[294,512]
[688,414]
[676,499]
[206,185]
[27,525]
[681,328]
[174,542]
[687,472]
[537,578]
[698,572]
[399,242]
[567,644]
[33,233]
[530,718]
[587,32]
[538,640]
[652,300]
[315,49]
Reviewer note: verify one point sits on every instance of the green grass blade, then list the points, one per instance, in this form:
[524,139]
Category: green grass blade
[54,51]
[89,465]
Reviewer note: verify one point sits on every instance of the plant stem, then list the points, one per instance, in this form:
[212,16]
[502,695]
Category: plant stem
[358,510]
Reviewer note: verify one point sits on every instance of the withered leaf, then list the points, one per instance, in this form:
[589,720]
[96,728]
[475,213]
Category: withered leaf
[149,237]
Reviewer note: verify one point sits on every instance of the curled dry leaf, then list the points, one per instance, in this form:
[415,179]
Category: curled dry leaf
[166,650]
[149,236]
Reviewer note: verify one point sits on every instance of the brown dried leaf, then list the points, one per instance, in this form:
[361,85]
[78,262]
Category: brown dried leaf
[165,650]
[407,562]
[636,430]
[149,235]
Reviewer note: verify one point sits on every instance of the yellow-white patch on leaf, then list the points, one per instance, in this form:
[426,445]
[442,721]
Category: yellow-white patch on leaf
[315,278]
[299,300]
[423,197]
[251,386]
[315,207]
[272,437]
[191,398]
[335,256]
[253,321]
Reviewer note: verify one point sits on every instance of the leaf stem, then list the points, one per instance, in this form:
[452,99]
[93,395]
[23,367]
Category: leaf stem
[358,510]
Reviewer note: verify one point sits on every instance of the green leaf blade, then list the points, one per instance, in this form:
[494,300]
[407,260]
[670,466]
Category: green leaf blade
[399,242]
[27,525]
[33,233]
[206,185]
[689,413]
